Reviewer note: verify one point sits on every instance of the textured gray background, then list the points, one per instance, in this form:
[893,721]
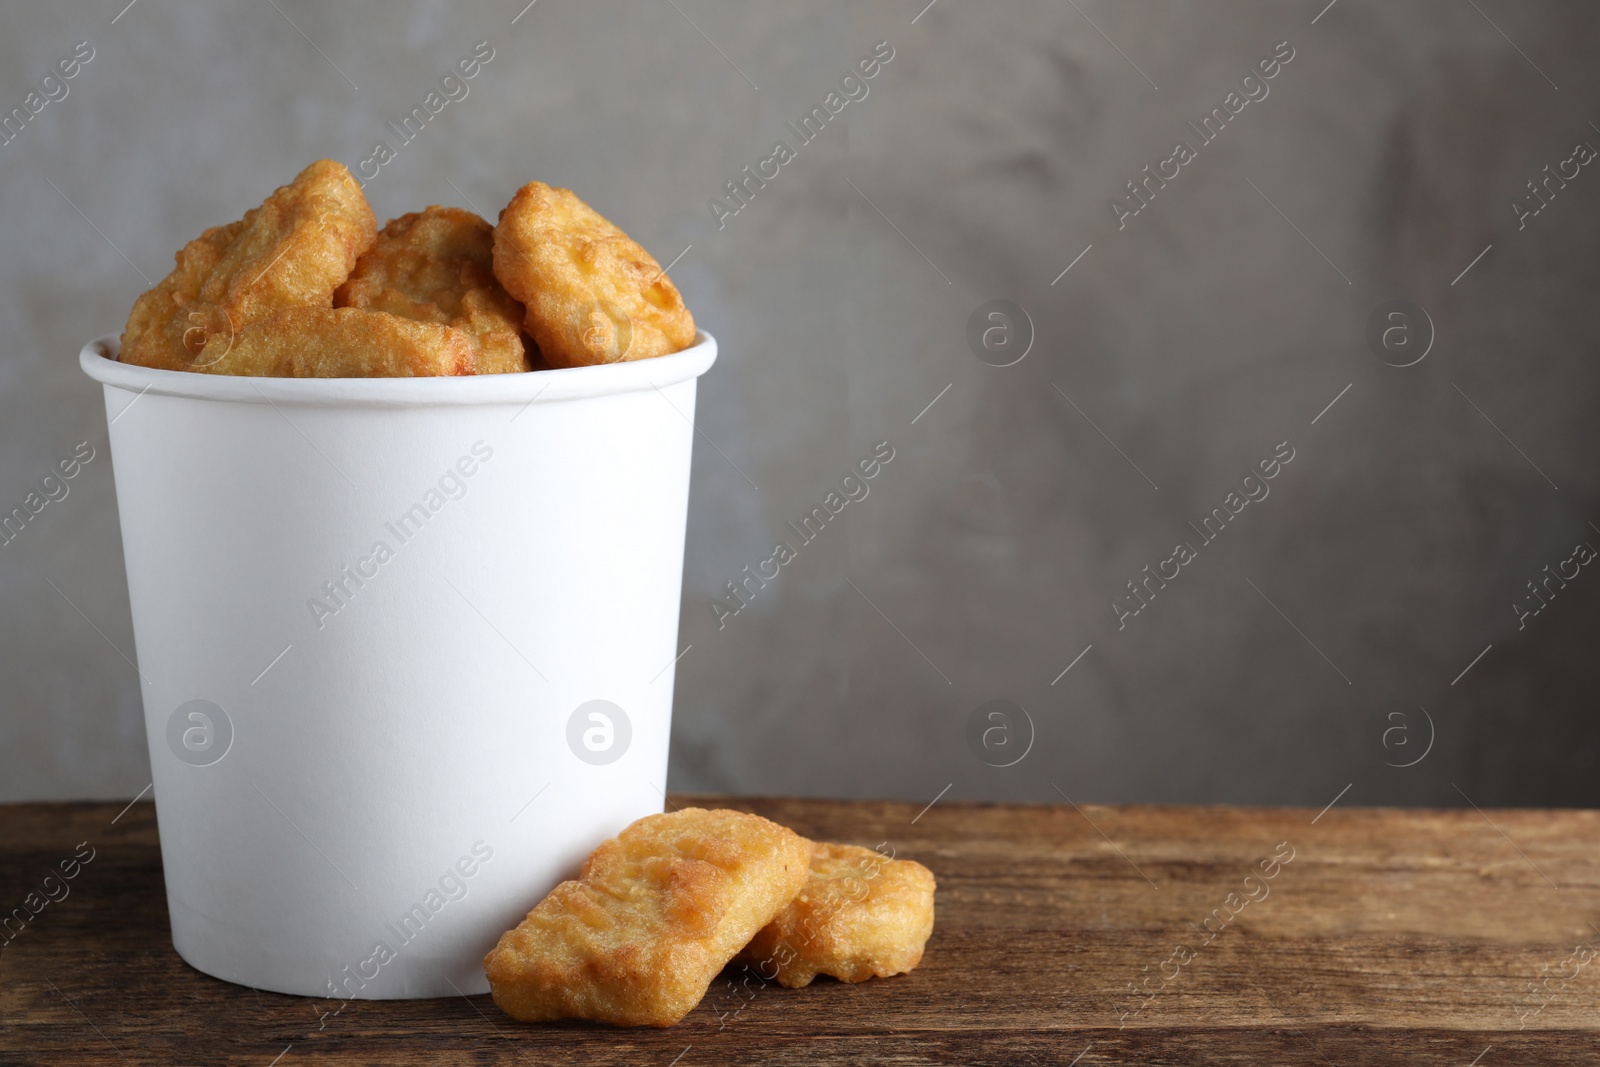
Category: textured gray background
[1196,339]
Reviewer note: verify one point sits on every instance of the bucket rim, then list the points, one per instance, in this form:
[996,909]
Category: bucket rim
[98,359]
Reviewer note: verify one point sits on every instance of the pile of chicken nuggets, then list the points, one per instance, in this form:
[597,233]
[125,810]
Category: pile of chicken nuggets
[659,910]
[307,286]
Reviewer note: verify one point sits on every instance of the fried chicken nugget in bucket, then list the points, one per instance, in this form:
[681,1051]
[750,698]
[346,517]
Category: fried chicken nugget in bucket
[347,343]
[593,295]
[292,251]
[655,915]
[437,266]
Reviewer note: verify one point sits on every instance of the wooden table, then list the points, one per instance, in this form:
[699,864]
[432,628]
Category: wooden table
[1381,936]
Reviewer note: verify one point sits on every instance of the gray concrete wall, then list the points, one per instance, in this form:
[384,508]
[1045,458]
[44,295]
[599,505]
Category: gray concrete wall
[1184,346]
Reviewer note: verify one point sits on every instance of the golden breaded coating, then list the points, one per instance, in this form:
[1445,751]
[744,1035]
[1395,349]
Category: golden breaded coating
[859,916]
[438,266]
[654,916]
[346,343]
[592,294]
[292,251]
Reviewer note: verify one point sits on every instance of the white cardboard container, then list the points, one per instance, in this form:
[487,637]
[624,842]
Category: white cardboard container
[356,800]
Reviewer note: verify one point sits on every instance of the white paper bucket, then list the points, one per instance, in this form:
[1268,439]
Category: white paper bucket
[406,648]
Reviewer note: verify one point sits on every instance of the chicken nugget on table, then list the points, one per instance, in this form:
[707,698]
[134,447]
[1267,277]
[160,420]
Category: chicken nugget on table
[860,915]
[655,914]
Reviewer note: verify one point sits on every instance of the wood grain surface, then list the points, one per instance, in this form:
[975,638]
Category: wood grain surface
[1087,935]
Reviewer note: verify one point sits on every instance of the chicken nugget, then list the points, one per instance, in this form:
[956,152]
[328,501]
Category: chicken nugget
[592,294]
[859,916]
[346,343]
[292,251]
[438,266]
[655,914]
